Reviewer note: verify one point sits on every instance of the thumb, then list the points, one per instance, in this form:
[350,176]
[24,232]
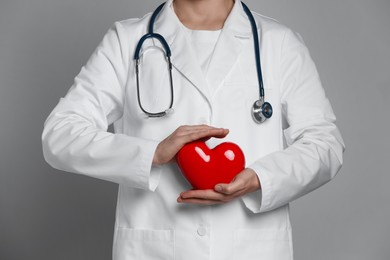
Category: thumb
[221,188]
[228,188]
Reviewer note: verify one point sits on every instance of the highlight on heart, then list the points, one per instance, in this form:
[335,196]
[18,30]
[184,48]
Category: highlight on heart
[204,167]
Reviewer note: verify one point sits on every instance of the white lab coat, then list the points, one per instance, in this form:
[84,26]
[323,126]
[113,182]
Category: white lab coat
[296,151]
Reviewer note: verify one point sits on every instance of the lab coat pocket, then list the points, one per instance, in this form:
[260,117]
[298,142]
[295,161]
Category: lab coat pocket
[145,244]
[270,244]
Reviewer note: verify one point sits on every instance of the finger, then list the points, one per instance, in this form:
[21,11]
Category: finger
[193,136]
[197,129]
[189,128]
[202,194]
[221,135]
[204,139]
[183,131]
[235,186]
[199,201]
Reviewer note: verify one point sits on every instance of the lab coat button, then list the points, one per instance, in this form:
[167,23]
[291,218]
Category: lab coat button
[202,231]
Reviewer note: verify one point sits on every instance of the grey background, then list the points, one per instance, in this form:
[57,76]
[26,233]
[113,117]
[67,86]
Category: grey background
[48,214]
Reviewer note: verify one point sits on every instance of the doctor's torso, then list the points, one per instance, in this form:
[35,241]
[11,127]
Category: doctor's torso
[153,223]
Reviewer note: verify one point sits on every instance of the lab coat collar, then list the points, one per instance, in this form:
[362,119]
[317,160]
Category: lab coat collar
[235,32]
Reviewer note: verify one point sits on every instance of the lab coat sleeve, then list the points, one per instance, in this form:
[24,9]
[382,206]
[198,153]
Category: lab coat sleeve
[75,137]
[314,145]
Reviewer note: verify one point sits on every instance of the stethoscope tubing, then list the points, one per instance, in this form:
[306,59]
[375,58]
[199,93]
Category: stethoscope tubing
[257,49]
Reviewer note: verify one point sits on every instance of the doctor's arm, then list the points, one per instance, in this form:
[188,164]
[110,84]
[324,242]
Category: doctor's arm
[314,152]
[75,137]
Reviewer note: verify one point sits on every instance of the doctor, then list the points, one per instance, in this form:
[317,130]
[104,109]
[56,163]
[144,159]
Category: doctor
[215,83]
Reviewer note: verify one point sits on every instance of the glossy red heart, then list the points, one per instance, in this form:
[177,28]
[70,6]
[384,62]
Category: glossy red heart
[204,167]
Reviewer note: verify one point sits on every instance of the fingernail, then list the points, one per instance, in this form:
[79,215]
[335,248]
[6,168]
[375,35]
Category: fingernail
[218,188]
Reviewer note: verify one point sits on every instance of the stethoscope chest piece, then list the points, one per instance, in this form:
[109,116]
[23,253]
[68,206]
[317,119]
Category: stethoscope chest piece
[261,111]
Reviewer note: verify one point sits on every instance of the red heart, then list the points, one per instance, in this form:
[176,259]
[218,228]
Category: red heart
[204,167]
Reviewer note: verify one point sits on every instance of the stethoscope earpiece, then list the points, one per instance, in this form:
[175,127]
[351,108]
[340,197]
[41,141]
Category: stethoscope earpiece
[261,111]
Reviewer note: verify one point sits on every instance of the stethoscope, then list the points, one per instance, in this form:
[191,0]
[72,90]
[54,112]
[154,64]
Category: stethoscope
[261,110]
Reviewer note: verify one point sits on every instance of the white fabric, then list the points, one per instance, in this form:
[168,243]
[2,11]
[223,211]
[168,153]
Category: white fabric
[203,42]
[296,151]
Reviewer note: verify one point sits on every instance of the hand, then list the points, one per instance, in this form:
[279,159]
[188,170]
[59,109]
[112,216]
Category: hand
[167,149]
[245,182]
